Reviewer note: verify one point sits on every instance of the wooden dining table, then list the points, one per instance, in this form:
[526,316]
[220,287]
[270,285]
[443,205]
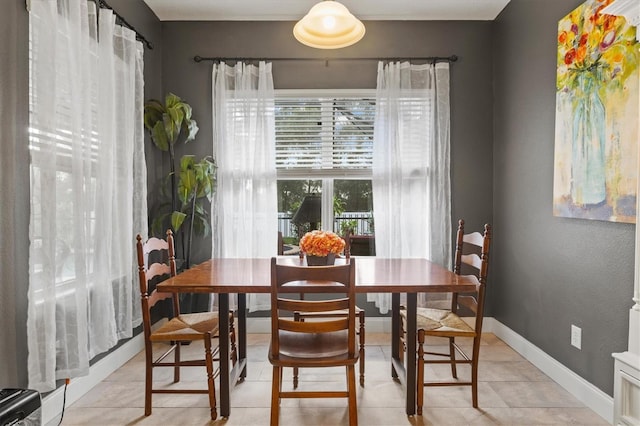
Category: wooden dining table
[373,275]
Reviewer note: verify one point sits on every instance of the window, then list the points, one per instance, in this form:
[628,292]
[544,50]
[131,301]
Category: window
[54,140]
[324,146]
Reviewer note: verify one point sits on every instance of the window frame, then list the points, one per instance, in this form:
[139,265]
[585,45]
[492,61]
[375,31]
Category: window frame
[328,175]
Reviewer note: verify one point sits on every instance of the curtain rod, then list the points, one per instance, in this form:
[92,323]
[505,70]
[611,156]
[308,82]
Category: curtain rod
[103,3]
[452,58]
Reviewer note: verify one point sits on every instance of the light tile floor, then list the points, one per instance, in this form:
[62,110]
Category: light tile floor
[511,392]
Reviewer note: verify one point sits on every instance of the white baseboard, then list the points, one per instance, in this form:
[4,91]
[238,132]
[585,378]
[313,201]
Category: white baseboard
[52,403]
[585,392]
[582,390]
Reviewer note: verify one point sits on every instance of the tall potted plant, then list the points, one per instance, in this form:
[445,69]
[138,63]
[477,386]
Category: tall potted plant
[195,180]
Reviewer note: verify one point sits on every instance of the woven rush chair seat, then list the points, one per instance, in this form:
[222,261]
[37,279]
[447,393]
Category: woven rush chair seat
[438,320]
[187,327]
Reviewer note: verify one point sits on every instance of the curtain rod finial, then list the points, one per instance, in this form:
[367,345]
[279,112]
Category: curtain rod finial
[197,58]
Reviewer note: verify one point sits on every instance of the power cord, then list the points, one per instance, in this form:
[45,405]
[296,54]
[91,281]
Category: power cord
[64,399]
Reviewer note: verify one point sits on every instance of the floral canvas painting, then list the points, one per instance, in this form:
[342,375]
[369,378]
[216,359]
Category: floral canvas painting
[597,103]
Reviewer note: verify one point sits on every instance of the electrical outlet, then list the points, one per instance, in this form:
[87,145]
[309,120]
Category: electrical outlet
[576,336]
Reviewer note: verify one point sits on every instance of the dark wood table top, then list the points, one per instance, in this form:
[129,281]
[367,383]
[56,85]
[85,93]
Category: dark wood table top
[373,275]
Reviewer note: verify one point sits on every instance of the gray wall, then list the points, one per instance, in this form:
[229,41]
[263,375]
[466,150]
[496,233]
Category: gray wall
[14,240]
[471,92]
[549,272]
[14,184]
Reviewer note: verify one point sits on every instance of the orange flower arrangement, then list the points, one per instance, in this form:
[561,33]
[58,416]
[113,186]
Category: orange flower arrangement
[321,243]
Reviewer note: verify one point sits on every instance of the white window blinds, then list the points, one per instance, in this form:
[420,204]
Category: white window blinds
[324,135]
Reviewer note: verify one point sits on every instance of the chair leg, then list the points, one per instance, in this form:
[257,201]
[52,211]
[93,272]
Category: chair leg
[351,388]
[295,377]
[402,348]
[474,371]
[361,361]
[275,395]
[210,383]
[148,379]
[176,368]
[296,317]
[233,350]
[420,373]
[452,356]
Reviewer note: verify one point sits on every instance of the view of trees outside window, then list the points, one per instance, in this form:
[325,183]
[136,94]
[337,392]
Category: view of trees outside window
[352,206]
[354,200]
[290,196]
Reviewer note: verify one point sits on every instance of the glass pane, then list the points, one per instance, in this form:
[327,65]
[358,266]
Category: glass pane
[297,202]
[353,206]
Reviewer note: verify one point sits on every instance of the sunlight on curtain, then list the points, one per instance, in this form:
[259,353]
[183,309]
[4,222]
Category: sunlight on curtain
[88,186]
[244,211]
[411,183]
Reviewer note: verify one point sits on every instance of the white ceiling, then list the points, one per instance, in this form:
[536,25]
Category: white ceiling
[292,10]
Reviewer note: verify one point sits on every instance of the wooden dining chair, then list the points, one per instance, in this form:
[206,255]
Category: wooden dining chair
[323,342]
[156,261]
[360,313]
[471,255]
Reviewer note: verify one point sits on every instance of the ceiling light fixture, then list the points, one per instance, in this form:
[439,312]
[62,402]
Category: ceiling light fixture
[329,25]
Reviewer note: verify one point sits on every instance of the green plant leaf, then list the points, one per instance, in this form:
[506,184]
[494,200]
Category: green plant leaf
[187,187]
[188,183]
[171,100]
[158,227]
[171,127]
[177,219]
[200,210]
[153,111]
[187,161]
[187,110]
[159,137]
[190,128]
[201,225]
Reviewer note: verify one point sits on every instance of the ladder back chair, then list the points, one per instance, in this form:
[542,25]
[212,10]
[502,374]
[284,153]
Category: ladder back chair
[156,262]
[360,313]
[472,255]
[323,342]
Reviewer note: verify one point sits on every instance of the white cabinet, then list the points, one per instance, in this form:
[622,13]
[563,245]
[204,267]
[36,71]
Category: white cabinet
[626,389]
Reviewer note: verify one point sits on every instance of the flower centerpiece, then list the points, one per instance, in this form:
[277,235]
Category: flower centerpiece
[321,247]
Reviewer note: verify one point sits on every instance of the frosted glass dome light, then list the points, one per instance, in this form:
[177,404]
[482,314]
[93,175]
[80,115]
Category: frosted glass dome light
[329,25]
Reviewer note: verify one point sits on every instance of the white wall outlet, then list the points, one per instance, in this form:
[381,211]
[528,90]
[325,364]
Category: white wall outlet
[576,336]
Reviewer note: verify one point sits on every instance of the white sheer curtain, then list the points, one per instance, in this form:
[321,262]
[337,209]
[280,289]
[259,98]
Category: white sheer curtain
[245,218]
[411,182]
[88,186]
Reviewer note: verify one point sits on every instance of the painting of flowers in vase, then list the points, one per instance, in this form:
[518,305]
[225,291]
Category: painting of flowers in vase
[597,104]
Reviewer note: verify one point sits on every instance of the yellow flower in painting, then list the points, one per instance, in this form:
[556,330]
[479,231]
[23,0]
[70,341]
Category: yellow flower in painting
[321,243]
[597,44]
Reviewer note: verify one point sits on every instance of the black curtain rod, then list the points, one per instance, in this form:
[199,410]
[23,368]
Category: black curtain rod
[452,58]
[140,37]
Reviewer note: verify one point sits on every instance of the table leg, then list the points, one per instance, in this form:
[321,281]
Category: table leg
[405,370]
[223,319]
[242,334]
[395,331]
[412,307]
